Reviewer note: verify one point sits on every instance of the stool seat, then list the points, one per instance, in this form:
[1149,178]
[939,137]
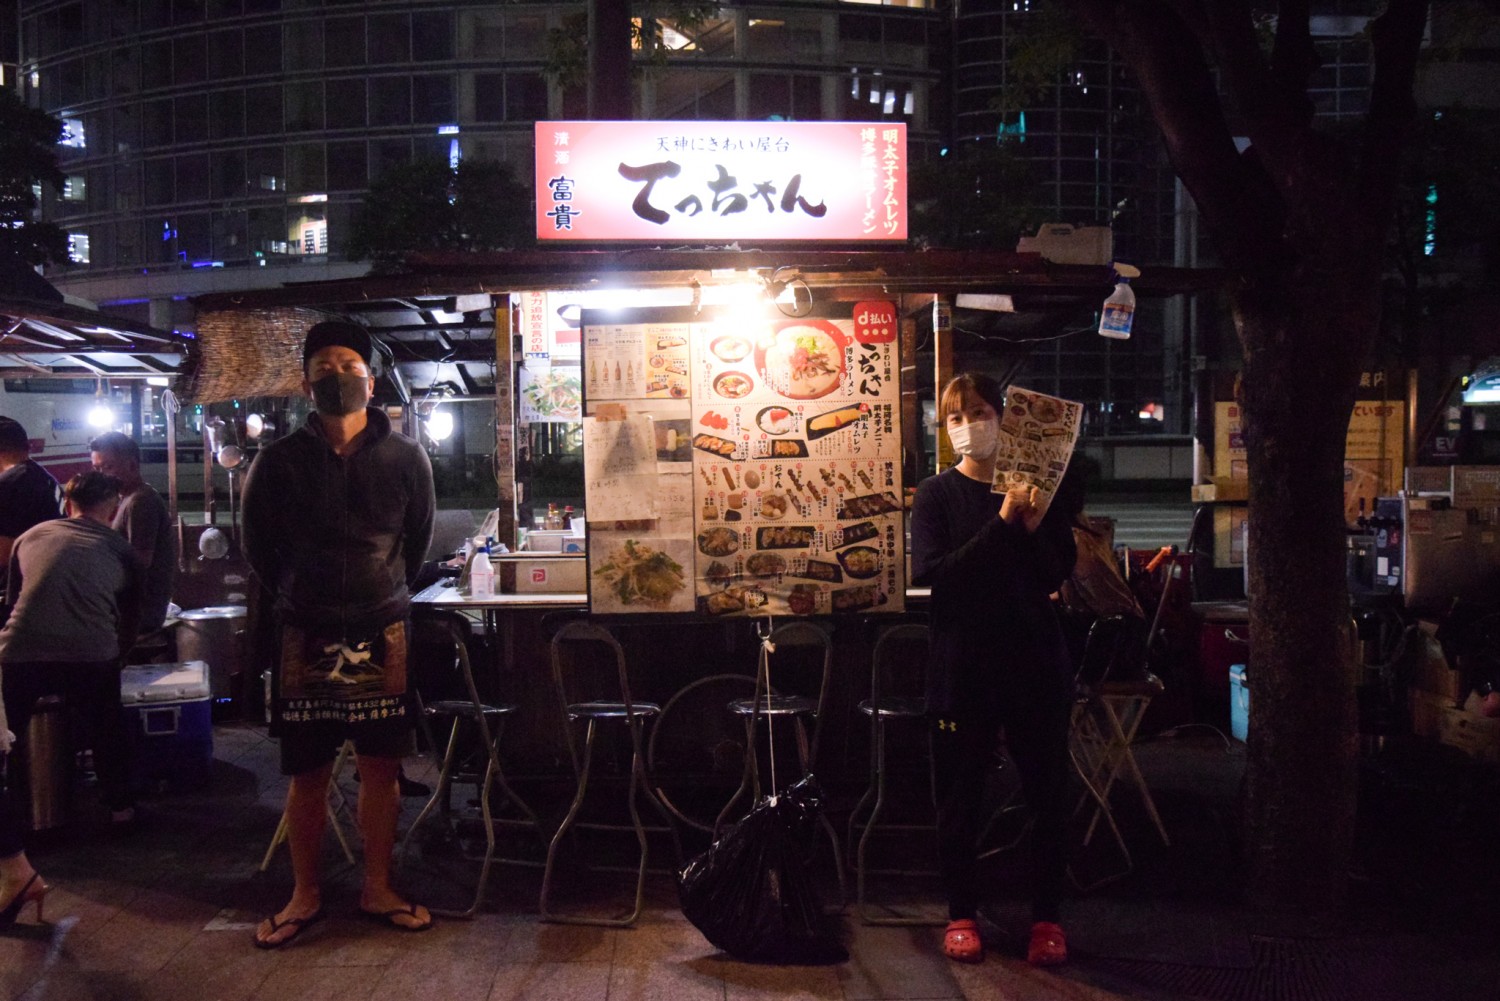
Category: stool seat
[895,707]
[463,707]
[776,705]
[612,710]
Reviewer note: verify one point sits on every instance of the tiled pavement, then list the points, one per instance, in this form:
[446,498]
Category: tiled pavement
[167,913]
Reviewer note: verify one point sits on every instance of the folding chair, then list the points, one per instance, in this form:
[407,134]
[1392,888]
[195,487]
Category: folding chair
[338,805]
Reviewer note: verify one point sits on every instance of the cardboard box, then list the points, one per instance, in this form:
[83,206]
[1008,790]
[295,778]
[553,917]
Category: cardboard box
[168,723]
[1429,668]
[1221,490]
[1476,735]
[1062,243]
[1427,709]
[564,573]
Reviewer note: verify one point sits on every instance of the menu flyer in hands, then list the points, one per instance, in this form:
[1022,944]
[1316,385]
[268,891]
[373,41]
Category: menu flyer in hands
[787,432]
[1037,436]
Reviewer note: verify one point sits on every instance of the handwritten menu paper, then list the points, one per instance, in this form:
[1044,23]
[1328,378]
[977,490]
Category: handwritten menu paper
[781,478]
[619,469]
[1037,436]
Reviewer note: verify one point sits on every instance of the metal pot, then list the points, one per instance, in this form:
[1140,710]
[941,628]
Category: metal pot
[215,635]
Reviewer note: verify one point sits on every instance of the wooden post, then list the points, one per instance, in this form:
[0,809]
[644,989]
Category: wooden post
[505,421]
[942,353]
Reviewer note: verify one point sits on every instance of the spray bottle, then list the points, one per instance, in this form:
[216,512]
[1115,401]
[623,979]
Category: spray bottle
[1118,314]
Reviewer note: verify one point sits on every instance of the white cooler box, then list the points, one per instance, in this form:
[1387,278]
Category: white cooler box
[168,723]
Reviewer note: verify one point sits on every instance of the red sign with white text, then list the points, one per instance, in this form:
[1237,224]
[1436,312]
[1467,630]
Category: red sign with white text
[717,181]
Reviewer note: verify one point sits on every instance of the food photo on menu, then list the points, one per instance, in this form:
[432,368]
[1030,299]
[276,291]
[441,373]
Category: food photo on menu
[1036,441]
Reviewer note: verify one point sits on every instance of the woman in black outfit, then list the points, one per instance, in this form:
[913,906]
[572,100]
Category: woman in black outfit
[998,660]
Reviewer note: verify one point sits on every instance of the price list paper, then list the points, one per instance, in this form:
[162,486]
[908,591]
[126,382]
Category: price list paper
[793,489]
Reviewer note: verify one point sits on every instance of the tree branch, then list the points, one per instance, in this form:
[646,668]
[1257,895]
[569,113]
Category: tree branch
[1241,209]
[1396,38]
[1294,56]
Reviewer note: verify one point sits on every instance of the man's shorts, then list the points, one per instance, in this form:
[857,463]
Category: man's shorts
[305,748]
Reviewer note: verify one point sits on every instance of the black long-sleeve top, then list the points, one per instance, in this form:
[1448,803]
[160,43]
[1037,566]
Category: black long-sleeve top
[995,636]
[339,539]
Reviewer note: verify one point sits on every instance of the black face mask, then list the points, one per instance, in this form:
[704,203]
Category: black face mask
[339,394]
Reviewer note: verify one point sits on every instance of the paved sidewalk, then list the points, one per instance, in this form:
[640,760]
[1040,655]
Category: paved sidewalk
[167,913]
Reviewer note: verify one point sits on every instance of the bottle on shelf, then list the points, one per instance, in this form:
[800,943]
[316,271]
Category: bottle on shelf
[554,519]
[567,517]
[482,575]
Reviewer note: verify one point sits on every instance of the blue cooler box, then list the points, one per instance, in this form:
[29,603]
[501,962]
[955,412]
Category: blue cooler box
[168,723]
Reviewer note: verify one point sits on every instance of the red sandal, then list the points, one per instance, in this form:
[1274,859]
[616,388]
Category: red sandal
[961,941]
[1049,946]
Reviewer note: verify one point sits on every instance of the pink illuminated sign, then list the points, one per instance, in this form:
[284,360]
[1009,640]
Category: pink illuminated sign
[717,181]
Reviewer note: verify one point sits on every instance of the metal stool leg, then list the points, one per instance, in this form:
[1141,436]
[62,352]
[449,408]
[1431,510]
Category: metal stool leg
[333,814]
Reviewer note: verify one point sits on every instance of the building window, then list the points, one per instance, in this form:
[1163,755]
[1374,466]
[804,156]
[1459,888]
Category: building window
[346,101]
[263,50]
[226,54]
[344,41]
[78,248]
[72,135]
[432,36]
[346,166]
[390,39]
[304,106]
[390,100]
[75,188]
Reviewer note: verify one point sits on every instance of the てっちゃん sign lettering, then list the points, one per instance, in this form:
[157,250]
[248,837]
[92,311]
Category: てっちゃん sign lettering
[715,181]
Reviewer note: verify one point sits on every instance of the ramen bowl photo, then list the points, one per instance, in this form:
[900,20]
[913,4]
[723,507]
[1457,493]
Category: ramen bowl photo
[733,385]
[803,360]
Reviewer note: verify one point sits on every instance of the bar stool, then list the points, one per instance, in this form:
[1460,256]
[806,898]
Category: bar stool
[770,705]
[486,721]
[596,700]
[890,701]
[337,807]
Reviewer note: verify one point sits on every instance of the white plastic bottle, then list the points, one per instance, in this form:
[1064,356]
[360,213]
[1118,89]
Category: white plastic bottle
[482,575]
[1119,311]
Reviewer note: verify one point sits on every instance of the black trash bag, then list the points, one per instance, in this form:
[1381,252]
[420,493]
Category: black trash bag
[752,894]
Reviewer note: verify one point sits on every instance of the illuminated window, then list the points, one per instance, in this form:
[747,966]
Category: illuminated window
[75,188]
[78,248]
[72,134]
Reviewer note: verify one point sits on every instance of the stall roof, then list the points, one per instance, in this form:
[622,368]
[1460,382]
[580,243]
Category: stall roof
[43,338]
[437,338]
[856,273]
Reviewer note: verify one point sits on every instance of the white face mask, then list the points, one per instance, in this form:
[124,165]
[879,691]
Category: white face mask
[978,439]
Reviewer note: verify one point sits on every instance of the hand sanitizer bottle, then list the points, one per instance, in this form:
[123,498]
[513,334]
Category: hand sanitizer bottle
[1119,311]
[482,575]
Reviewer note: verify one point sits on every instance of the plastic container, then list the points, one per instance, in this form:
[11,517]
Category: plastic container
[482,575]
[1239,703]
[168,723]
[1118,315]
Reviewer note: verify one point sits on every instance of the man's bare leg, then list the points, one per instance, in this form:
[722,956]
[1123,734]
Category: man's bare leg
[379,805]
[306,820]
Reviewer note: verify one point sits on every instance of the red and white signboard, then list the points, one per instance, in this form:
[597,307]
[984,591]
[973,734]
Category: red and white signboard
[718,181]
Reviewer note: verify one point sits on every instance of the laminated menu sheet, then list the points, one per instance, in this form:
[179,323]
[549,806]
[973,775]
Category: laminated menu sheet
[792,432]
[1037,436]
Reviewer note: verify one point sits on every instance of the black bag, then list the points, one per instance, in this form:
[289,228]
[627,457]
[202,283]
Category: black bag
[752,894]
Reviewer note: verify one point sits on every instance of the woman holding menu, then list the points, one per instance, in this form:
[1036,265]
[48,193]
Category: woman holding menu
[998,659]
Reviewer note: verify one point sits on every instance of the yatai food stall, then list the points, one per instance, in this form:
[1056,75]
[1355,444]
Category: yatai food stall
[748,417]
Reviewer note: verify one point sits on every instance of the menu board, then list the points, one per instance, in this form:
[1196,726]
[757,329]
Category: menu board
[1037,436]
[788,430]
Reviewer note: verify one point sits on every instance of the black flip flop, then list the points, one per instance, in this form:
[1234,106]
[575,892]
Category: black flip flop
[299,924]
[388,918]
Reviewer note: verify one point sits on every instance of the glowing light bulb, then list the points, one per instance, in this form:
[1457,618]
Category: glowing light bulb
[101,416]
[439,424]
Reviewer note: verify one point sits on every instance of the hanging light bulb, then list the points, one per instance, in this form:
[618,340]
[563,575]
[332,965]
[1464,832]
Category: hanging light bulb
[439,422]
[101,415]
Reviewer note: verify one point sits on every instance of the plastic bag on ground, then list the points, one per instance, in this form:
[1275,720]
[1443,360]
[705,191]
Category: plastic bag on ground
[752,894]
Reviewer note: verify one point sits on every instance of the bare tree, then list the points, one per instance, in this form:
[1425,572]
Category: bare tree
[1300,219]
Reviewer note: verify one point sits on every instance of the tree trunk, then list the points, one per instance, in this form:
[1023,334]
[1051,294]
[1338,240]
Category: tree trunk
[1305,335]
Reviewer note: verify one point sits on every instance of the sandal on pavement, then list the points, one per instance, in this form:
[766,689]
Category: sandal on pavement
[298,926]
[1049,946]
[388,918]
[961,941]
